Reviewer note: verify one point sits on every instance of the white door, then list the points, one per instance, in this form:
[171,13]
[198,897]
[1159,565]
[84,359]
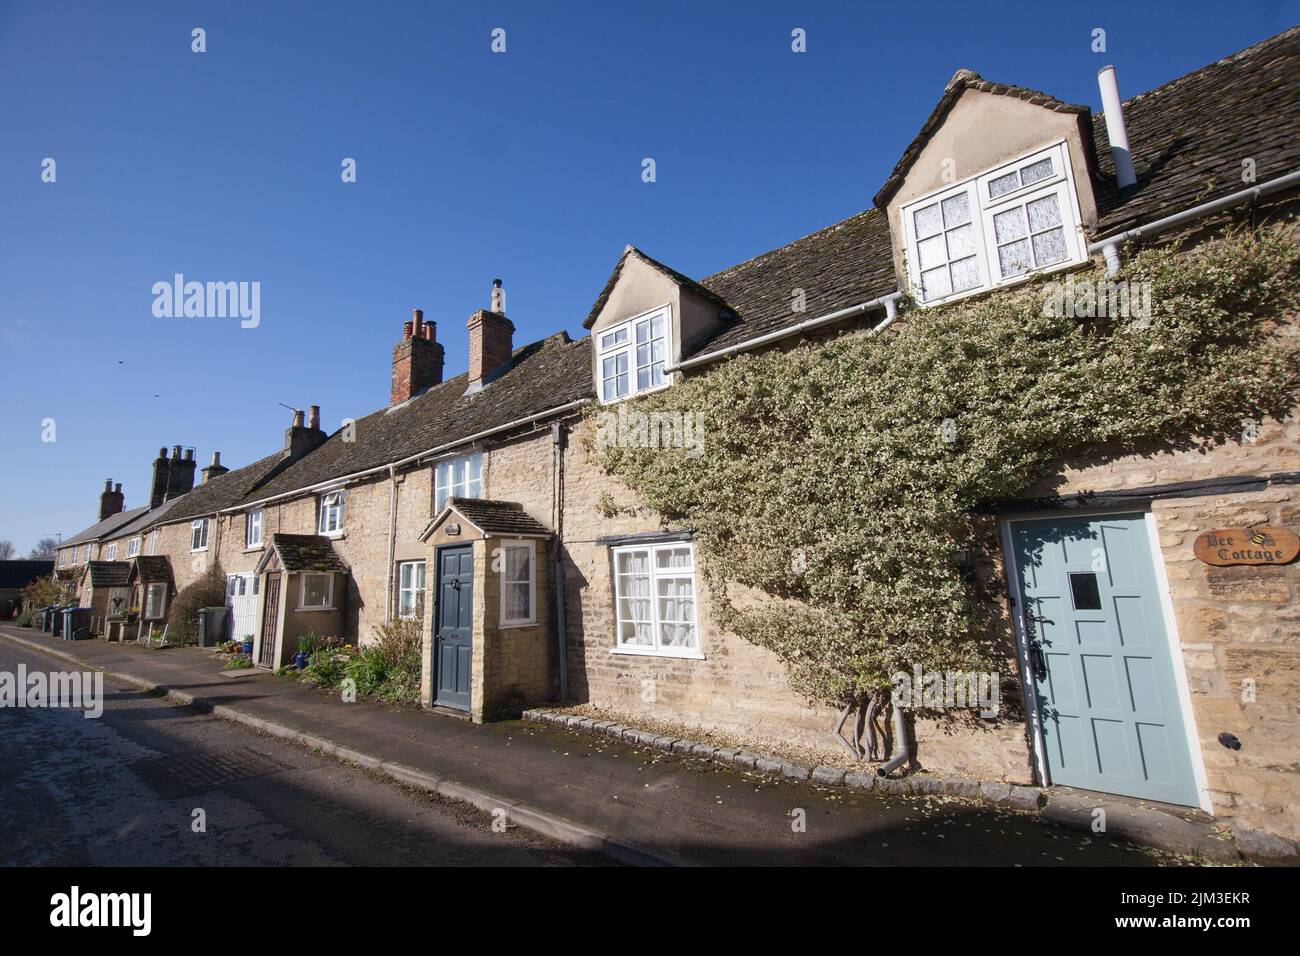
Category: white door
[241,598]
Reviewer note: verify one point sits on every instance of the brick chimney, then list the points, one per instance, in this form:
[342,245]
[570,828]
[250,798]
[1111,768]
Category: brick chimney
[158,488]
[491,340]
[417,359]
[299,438]
[180,472]
[110,500]
[214,469]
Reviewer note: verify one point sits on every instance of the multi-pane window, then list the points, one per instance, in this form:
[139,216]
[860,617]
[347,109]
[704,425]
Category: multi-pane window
[458,478]
[153,541]
[1014,220]
[253,529]
[410,588]
[199,534]
[111,554]
[331,512]
[317,591]
[133,547]
[517,591]
[632,355]
[654,595]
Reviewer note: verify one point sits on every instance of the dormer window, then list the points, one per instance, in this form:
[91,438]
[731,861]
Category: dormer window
[633,354]
[993,229]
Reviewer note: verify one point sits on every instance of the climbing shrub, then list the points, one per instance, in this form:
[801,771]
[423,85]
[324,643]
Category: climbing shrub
[840,477]
[207,590]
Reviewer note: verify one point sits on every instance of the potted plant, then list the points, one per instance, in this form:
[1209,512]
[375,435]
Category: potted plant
[248,644]
[307,645]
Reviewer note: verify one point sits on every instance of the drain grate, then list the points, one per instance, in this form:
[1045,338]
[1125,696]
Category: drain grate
[180,775]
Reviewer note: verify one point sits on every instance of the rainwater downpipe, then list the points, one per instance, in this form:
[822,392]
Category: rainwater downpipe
[557,563]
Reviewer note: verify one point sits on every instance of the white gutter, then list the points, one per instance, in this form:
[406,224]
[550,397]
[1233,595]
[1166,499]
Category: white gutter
[439,449]
[1109,247]
[890,302]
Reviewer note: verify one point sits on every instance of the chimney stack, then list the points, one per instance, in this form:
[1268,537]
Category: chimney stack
[491,340]
[299,438]
[417,359]
[214,469]
[110,501]
[1116,128]
[180,473]
[158,487]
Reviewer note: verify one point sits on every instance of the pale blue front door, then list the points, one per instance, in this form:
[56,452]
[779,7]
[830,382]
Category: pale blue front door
[1097,644]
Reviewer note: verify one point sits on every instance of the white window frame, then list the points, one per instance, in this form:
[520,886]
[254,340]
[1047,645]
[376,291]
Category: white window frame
[199,533]
[506,548]
[251,525]
[111,554]
[133,546]
[444,479]
[302,591]
[153,541]
[329,513]
[416,593]
[626,347]
[656,650]
[149,593]
[983,208]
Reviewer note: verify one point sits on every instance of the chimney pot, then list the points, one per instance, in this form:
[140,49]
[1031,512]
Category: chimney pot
[498,297]
[216,458]
[313,420]
[108,484]
[189,454]
[117,487]
[176,452]
[297,418]
[406,330]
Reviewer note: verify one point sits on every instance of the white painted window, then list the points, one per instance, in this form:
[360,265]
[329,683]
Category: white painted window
[1006,223]
[155,605]
[199,534]
[112,552]
[631,356]
[253,529]
[133,547]
[88,548]
[458,478]
[410,588]
[654,597]
[153,541]
[518,591]
[331,513]
[317,591]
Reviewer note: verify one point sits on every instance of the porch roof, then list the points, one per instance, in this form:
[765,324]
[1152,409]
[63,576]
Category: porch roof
[303,552]
[151,569]
[108,574]
[505,519]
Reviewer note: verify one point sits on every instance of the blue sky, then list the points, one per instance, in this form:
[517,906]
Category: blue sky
[225,166]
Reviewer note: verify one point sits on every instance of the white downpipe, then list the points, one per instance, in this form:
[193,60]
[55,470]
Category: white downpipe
[1116,129]
[1110,246]
[900,738]
[890,302]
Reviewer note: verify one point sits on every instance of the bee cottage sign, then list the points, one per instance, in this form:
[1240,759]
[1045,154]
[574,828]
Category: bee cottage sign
[1228,546]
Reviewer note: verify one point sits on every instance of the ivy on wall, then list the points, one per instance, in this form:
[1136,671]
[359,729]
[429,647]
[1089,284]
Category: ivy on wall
[839,476]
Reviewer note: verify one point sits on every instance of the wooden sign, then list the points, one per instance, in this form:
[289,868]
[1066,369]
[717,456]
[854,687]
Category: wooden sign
[1247,546]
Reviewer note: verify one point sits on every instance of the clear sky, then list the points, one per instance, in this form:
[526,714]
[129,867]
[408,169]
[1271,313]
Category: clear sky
[225,166]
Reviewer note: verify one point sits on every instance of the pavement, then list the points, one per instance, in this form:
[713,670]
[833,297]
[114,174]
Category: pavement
[631,803]
[152,784]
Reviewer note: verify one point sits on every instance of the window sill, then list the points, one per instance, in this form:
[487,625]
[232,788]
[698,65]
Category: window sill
[516,625]
[197,550]
[645,391]
[257,547]
[313,610]
[687,655]
[333,535]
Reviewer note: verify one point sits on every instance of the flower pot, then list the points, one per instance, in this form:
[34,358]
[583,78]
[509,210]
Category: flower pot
[248,648]
[301,659]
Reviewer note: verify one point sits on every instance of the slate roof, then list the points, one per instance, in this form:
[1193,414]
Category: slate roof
[151,569]
[504,518]
[306,552]
[104,528]
[19,574]
[540,376]
[1188,137]
[108,574]
[224,491]
[683,280]
[842,265]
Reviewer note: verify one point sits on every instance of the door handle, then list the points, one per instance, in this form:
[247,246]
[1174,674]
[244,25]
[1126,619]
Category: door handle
[1039,661]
